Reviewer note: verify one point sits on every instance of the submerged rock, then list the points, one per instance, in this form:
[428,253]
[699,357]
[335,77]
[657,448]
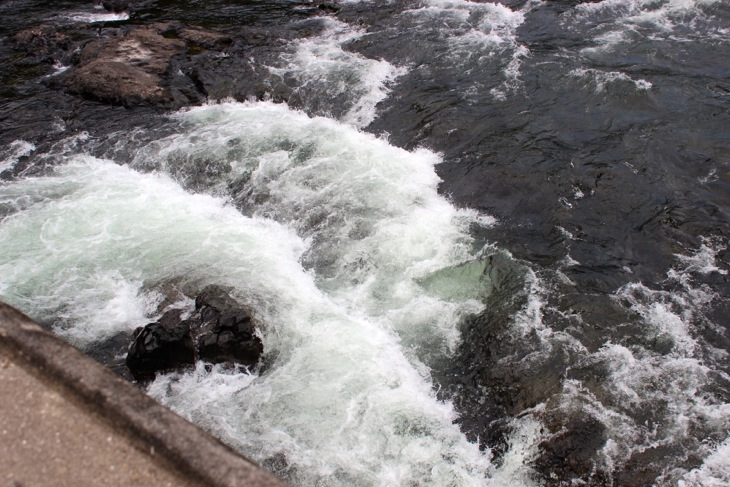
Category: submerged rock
[571,451]
[219,331]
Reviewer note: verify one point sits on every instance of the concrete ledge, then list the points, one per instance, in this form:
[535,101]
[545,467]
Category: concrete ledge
[150,427]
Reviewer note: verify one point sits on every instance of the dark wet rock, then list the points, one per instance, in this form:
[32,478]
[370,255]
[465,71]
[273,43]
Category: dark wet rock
[643,465]
[279,465]
[170,65]
[227,332]
[505,376]
[119,83]
[112,353]
[126,70]
[204,38]
[40,40]
[141,46]
[329,7]
[38,47]
[161,346]
[128,6]
[219,331]
[116,5]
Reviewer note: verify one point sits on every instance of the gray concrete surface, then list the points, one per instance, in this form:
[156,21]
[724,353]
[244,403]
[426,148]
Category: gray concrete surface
[65,420]
[48,440]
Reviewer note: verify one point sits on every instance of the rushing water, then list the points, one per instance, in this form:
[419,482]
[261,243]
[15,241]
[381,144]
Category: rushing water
[486,242]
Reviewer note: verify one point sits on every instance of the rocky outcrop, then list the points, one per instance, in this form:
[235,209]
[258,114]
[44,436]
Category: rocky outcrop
[204,38]
[128,69]
[42,45]
[163,345]
[163,65]
[227,331]
[40,40]
[220,330]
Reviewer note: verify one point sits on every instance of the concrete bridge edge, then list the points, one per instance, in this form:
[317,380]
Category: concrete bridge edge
[149,425]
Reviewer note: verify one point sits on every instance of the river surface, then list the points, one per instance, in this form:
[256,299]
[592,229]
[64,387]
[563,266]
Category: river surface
[487,242]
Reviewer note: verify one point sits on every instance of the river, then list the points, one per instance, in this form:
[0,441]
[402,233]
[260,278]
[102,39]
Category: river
[487,242]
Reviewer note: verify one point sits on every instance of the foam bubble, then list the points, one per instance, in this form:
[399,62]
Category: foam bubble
[616,22]
[704,260]
[58,68]
[650,391]
[81,249]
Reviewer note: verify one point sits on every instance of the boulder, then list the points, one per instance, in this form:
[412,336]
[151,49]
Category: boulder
[118,83]
[126,70]
[571,452]
[161,346]
[227,332]
[328,7]
[125,5]
[219,331]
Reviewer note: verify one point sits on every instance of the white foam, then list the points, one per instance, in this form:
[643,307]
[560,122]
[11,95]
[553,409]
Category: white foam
[667,314]
[89,17]
[602,79]
[523,447]
[667,392]
[58,68]
[96,232]
[714,472]
[477,34]
[616,22]
[326,71]
[704,260]
[341,230]
[15,150]
[649,392]
[650,398]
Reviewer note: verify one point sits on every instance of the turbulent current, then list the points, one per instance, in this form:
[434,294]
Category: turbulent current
[486,241]
[333,255]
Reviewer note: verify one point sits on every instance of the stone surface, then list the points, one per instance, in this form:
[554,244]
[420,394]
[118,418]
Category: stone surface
[160,347]
[40,39]
[116,5]
[127,70]
[204,38]
[227,332]
[219,331]
[570,452]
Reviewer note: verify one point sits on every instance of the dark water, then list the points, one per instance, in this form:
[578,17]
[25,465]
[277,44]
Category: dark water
[598,136]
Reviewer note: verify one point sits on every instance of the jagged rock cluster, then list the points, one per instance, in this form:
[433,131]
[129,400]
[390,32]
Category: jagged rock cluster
[220,330]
